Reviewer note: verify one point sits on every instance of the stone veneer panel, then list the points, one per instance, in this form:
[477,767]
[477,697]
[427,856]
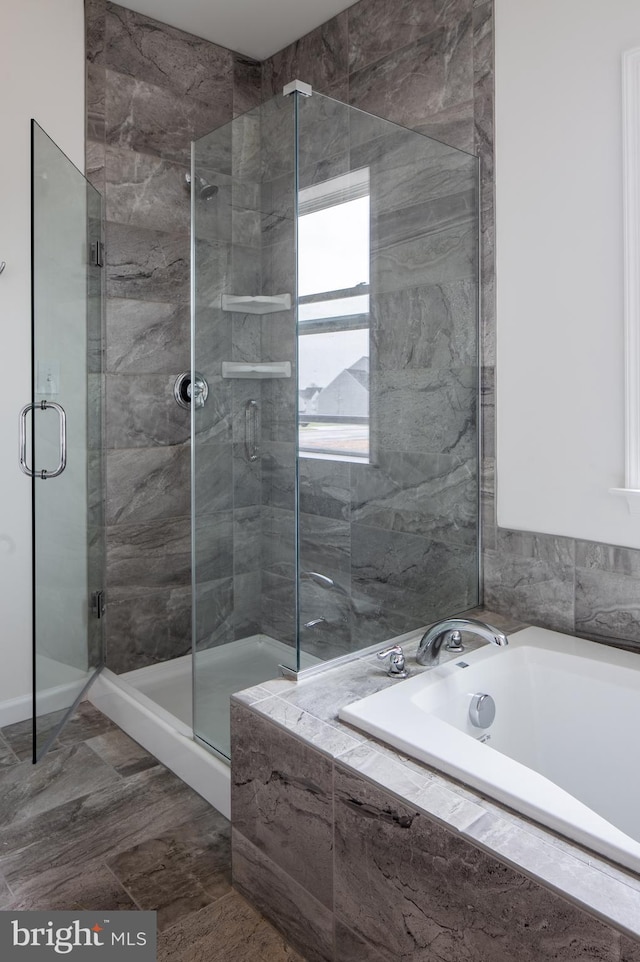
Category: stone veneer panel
[406,884]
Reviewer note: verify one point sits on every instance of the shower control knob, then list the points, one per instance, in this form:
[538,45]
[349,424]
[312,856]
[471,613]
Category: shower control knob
[482,711]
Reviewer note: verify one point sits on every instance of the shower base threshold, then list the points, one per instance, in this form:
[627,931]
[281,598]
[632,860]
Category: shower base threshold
[154,705]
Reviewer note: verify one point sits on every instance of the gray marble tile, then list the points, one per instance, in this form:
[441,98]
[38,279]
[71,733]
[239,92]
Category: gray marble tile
[213,422]
[146,337]
[213,490]
[68,773]
[251,696]
[121,752]
[247,614]
[277,209]
[149,555]
[110,820]
[147,264]
[607,605]
[629,950]
[278,474]
[230,929]
[84,723]
[411,84]
[325,613]
[324,487]
[134,638]
[147,484]
[488,411]
[325,546]
[279,411]
[272,801]
[146,49]
[425,327]
[401,582]
[247,479]
[319,58]
[323,130]
[430,495]
[488,503]
[146,191]
[141,411]
[215,613]
[448,896]
[279,532]
[605,557]
[213,538]
[7,755]
[537,591]
[95,92]
[89,886]
[406,254]
[426,411]
[332,740]
[247,83]
[378,28]
[154,120]
[306,923]
[278,607]
[247,533]
[95,164]
[180,871]
[94,21]
[351,947]
[538,547]
[579,875]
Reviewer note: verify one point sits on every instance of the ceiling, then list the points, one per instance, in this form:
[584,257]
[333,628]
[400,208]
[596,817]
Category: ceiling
[257,28]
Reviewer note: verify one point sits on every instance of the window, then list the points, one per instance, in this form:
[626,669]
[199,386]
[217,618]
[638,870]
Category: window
[333,315]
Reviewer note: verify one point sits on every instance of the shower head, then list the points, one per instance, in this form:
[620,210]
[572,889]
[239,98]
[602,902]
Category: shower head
[205,190]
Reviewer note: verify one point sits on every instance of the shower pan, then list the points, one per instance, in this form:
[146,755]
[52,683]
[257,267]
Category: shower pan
[334,454]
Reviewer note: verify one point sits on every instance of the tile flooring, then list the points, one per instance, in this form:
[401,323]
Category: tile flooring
[101,824]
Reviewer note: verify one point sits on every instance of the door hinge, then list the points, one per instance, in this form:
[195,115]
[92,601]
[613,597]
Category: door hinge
[97,604]
[97,254]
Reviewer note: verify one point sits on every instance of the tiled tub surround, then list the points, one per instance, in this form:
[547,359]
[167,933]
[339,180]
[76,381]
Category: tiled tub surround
[357,853]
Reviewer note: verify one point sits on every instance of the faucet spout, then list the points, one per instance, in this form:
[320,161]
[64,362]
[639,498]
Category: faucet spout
[431,642]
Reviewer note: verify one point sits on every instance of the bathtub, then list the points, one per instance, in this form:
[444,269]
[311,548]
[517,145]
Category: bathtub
[562,748]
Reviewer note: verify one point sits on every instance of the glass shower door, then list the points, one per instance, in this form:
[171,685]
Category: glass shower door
[64,423]
[244,494]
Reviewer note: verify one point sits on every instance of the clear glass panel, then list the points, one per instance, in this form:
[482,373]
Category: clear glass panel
[336,508]
[388,477]
[67,371]
[244,436]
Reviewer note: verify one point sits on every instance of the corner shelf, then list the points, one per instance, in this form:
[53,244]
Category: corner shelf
[257,369]
[260,304]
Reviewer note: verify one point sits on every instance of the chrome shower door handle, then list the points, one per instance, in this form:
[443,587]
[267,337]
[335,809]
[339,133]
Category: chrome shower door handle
[62,462]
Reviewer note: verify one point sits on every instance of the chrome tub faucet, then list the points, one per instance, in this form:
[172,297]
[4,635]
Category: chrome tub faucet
[449,631]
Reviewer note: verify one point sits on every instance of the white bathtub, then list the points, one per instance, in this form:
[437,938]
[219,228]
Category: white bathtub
[563,748]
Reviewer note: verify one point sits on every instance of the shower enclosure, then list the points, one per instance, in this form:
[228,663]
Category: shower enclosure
[334,391]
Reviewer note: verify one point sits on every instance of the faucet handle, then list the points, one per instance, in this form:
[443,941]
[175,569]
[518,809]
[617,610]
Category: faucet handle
[395,654]
[454,641]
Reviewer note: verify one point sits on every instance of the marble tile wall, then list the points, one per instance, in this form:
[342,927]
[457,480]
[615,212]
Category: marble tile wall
[349,871]
[429,66]
[399,539]
[151,89]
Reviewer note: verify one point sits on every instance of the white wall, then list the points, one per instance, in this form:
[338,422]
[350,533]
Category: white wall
[560,361]
[41,76]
